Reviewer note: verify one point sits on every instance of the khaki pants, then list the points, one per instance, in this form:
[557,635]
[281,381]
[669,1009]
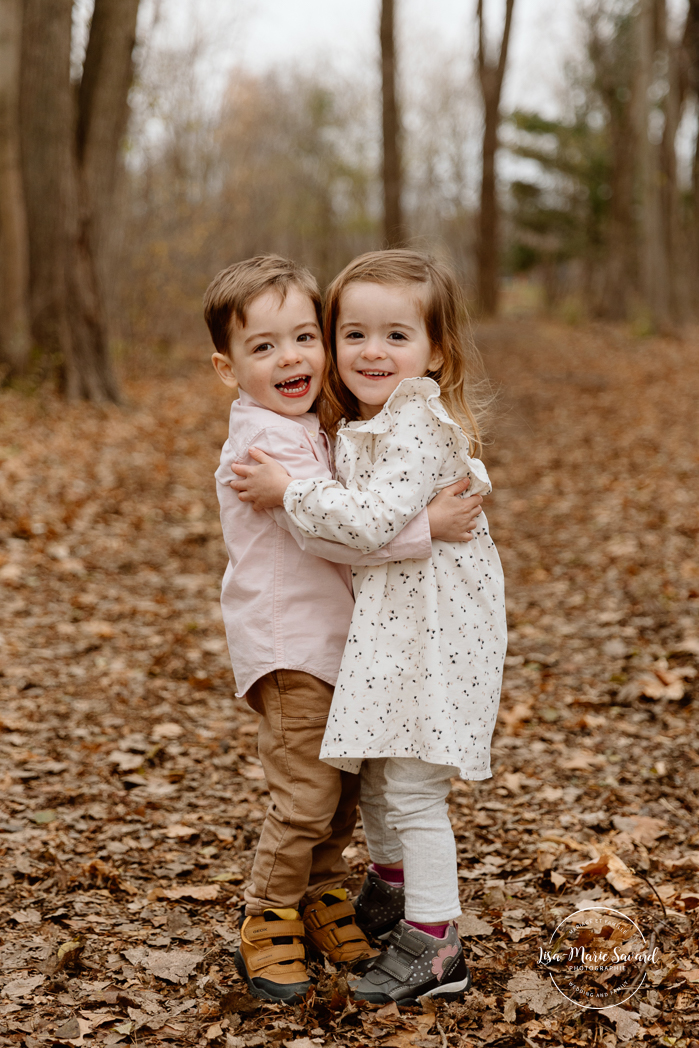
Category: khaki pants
[313,807]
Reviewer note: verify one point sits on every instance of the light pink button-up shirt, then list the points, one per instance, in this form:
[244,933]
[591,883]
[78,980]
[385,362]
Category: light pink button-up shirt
[286,597]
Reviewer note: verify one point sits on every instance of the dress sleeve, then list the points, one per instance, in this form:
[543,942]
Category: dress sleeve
[401,482]
[292,452]
[413,543]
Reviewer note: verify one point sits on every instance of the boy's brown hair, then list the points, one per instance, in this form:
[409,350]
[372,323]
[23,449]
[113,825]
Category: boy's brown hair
[232,290]
[464,389]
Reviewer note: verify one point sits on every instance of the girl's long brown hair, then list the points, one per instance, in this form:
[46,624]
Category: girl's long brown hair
[464,390]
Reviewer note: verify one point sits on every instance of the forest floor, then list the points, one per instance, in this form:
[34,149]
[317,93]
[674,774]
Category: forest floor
[130,790]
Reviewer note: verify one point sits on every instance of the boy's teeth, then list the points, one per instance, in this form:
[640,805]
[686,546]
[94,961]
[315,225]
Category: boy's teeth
[295,384]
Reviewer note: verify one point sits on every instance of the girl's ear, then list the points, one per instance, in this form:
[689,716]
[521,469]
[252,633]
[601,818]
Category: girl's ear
[436,359]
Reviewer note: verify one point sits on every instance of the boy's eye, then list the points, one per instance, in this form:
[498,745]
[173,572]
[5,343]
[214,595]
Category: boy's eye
[262,347]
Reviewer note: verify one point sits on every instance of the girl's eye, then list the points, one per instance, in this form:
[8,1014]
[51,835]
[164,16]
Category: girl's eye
[262,347]
[397,336]
[354,334]
[307,336]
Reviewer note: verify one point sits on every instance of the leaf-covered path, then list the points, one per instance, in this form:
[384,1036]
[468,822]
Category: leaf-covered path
[131,794]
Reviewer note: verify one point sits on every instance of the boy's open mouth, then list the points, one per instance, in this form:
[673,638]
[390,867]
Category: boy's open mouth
[294,387]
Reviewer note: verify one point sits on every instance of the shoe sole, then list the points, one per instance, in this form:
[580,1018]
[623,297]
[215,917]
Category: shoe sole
[448,992]
[256,991]
[359,966]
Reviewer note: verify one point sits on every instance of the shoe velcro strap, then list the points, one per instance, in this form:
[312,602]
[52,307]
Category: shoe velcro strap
[275,955]
[389,963]
[375,888]
[345,933]
[274,929]
[318,918]
[406,941]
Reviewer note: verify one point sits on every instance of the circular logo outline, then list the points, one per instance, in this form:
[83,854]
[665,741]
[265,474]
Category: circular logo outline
[600,910]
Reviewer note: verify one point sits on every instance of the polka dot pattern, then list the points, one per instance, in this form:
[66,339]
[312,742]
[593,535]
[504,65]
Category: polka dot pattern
[422,668]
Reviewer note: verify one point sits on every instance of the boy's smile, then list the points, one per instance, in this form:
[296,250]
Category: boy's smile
[277,357]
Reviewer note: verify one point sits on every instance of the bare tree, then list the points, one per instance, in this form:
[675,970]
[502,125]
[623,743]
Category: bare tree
[68,157]
[394,231]
[102,116]
[490,75]
[689,87]
[14,266]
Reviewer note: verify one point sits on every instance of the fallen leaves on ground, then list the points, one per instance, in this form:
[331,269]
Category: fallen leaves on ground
[131,790]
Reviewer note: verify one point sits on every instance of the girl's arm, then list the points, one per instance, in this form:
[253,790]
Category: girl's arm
[413,543]
[400,484]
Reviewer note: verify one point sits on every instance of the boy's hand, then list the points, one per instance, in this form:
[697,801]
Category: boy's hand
[453,519]
[263,485]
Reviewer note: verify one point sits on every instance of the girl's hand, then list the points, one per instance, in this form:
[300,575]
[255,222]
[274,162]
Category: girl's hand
[453,519]
[263,485]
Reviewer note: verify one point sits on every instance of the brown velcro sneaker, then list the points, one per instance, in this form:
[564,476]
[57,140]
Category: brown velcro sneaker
[332,930]
[272,954]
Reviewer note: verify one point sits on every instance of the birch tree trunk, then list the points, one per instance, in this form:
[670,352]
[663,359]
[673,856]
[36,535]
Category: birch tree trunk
[394,231]
[490,75]
[14,262]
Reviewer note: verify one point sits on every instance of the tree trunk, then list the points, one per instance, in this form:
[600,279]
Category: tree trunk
[69,161]
[490,77]
[14,263]
[653,252]
[394,232]
[690,70]
[102,117]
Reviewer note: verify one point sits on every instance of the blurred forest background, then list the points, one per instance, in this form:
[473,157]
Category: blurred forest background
[141,151]
[129,174]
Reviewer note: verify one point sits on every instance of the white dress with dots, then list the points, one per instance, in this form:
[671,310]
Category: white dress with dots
[422,669]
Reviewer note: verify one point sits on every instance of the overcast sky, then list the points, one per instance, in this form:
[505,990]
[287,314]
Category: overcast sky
[263,34]
[299,29]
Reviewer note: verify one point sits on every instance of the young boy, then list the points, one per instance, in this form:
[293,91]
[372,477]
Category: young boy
[287,604]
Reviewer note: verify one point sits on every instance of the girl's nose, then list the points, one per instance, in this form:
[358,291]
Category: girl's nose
[373,350]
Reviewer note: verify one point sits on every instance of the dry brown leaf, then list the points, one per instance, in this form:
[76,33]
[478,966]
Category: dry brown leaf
[538,994]
[470,924]
[175,966]
[200,892]
[179,830]
[642,828]
[614,870]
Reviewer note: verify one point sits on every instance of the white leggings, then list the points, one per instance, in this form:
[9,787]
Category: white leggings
[405,816]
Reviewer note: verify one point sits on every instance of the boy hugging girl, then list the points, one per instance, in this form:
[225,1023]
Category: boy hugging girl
[305,549]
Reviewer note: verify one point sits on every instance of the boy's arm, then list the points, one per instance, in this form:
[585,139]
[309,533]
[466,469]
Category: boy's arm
[292,452]
[413,543]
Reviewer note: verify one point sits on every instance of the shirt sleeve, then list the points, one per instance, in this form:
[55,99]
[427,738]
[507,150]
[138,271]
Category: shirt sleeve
[401,482]
[291,450]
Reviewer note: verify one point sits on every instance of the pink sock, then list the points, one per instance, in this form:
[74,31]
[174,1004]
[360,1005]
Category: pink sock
[437,930]
[387,873]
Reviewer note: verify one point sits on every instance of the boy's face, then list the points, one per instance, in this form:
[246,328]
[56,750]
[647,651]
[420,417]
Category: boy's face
[277,357]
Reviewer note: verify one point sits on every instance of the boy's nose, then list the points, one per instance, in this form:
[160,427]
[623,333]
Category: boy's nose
[291,354]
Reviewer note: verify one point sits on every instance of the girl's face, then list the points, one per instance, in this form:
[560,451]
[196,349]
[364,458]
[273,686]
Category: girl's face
[381,339]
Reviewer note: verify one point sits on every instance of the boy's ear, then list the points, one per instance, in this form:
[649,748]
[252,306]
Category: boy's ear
[223,366]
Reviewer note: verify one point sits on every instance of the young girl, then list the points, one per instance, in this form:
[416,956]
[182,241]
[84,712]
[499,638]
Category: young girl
[419,685]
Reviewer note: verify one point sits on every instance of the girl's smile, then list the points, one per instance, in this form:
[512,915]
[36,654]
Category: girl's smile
[381,339]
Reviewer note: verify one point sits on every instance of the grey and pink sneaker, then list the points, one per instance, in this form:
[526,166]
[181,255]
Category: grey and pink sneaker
[379,905]
[416,965]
